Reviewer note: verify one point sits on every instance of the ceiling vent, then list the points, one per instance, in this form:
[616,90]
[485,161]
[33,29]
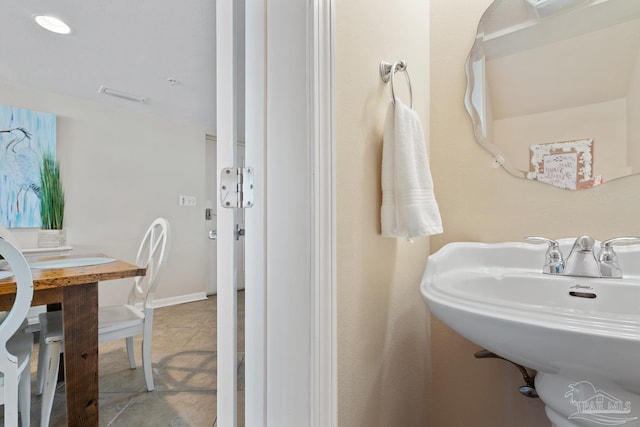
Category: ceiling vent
[120,94]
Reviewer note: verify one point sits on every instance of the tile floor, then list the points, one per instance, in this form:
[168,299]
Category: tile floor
[184,365]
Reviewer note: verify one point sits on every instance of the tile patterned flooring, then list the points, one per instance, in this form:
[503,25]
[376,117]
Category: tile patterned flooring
[184,365]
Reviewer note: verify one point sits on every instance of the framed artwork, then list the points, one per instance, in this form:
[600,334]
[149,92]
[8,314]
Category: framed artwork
[24,136]
[567,164]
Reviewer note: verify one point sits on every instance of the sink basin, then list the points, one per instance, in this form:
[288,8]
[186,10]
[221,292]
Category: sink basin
[569,329]
[70,262]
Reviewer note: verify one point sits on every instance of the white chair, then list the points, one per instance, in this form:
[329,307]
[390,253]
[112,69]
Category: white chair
[15,344]
[114,322]
[9,237]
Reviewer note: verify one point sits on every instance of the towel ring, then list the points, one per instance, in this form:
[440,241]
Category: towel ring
[387,71]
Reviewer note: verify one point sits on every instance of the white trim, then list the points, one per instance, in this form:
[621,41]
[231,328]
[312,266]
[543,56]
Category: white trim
[180,299]
[256,217]
[323,375]
[227,413]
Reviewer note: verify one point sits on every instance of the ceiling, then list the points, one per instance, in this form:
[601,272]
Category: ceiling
[131,46]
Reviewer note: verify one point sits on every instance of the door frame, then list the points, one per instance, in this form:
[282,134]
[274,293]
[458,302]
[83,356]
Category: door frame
[268,22]
[324,348]
[227,395]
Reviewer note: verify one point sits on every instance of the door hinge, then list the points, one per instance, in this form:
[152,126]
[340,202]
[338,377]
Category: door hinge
[236,187]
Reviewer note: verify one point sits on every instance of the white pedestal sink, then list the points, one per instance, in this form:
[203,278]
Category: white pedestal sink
[582,335]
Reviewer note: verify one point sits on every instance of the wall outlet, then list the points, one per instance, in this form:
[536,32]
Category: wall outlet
[187,201]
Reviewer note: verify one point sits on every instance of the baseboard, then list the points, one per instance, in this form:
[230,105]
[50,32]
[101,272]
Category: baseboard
[180,299]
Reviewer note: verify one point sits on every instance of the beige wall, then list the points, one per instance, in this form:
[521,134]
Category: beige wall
[479,203]
[382,320]
[633,112]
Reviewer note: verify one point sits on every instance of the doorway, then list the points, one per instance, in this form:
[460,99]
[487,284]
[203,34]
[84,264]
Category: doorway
[210,185]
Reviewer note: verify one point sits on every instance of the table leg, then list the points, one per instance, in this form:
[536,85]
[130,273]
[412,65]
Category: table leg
[80,314]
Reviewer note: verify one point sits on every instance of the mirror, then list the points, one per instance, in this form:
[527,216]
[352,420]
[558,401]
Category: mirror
[553,89]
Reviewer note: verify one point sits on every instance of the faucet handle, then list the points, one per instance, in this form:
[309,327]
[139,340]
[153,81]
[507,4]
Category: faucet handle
[554,261]
[620,240]
[540,239]
[553,244]
[608,258]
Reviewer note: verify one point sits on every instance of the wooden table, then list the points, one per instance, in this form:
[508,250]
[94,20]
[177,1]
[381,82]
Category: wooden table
[76,289]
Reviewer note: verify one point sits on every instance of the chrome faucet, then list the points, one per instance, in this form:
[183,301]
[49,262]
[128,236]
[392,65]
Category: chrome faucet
[582,261]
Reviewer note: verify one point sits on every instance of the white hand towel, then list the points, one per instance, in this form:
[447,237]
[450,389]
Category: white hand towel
[409,208]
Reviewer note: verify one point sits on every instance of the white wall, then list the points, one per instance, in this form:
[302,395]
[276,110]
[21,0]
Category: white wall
[120,171]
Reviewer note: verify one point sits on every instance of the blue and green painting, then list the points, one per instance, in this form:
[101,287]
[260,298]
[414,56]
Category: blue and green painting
[24,136]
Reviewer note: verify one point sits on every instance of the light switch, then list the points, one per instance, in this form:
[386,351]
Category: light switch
[189,201]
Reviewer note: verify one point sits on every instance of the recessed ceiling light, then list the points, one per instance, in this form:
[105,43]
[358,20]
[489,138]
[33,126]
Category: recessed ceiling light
[52,23]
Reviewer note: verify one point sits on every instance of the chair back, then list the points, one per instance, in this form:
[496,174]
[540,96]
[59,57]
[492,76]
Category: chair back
[7,235]
[24,293]
[152,255]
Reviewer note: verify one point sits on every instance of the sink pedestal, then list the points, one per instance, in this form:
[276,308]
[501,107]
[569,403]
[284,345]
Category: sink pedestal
[586,402]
